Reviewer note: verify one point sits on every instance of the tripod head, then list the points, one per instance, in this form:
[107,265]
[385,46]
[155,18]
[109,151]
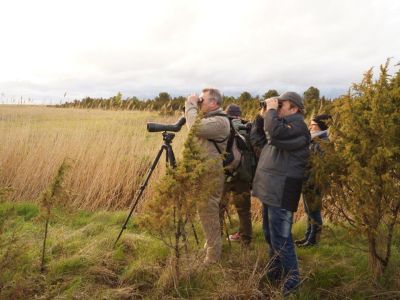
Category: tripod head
[168,137]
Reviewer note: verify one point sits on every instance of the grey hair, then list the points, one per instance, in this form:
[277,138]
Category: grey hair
[215,94]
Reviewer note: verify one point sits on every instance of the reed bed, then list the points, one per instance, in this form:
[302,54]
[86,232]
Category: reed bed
[109,153]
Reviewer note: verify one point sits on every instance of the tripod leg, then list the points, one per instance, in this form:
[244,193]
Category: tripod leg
[140,191]
[195,234]
[171,156]
[184,237]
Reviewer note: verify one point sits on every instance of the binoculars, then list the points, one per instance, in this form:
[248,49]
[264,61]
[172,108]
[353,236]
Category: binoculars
[263,105]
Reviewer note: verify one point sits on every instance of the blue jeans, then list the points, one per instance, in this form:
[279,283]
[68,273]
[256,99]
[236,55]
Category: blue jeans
[277,226]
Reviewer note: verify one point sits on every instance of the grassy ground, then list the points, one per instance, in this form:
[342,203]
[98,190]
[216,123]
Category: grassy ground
[81,263]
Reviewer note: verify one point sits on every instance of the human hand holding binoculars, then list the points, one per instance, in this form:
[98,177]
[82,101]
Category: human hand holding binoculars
[194,99]
[270,103]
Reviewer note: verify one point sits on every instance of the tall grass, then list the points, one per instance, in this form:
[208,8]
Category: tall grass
[110,152]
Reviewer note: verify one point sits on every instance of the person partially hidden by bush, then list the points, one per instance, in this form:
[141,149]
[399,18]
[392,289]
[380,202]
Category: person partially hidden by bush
[213,126]
[312,197]
[237,188]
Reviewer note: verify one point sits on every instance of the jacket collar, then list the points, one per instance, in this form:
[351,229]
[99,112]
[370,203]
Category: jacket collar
[218,111]
[294,117]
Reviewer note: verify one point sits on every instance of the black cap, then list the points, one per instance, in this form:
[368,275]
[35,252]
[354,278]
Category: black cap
[320,120]
[294,98]
[233,110]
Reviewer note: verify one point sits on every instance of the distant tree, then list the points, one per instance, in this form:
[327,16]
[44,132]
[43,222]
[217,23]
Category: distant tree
[311,93]
[117,100]
[312,101]
[270,93]
[164,97]
[360,168]
[245,96]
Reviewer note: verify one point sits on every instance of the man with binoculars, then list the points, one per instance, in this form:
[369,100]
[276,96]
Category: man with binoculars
[278,182]
[213,126]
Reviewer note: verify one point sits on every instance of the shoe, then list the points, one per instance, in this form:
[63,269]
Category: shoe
[307,244]
[235,237]
[287,291]
[290,285]
[299,242]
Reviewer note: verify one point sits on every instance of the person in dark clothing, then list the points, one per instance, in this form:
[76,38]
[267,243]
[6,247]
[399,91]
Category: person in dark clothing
[278,182]
[237,189]
[312,197]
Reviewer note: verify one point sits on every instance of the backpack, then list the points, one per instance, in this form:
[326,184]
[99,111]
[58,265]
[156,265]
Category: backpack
[236,149]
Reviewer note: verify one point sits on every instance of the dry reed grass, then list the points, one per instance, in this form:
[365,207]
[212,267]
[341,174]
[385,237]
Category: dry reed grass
[110,152]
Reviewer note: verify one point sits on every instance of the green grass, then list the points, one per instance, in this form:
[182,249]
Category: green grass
[82,264]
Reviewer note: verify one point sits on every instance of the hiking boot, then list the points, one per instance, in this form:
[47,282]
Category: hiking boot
[307,244]
[299,242]
[313,238]
[235,237]
[287,291]
[290,285]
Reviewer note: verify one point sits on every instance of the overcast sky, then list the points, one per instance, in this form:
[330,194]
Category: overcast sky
[140,48]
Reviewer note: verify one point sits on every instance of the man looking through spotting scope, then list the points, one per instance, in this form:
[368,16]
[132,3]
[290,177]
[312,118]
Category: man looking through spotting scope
[213,126]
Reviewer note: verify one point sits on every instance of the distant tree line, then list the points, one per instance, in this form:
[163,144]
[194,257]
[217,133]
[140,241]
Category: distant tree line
[165,104]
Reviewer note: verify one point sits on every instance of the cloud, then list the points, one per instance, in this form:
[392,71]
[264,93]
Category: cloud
[97,48]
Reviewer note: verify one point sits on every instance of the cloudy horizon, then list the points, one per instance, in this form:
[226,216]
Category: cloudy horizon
[100,48]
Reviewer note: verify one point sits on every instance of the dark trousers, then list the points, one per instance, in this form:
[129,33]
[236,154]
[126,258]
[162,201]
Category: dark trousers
[239,193]
[314,222]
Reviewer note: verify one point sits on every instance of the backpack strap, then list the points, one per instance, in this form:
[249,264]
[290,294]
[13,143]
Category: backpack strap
[215,142]
[216,147]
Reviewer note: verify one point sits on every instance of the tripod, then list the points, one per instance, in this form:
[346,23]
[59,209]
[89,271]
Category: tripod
[170,159]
